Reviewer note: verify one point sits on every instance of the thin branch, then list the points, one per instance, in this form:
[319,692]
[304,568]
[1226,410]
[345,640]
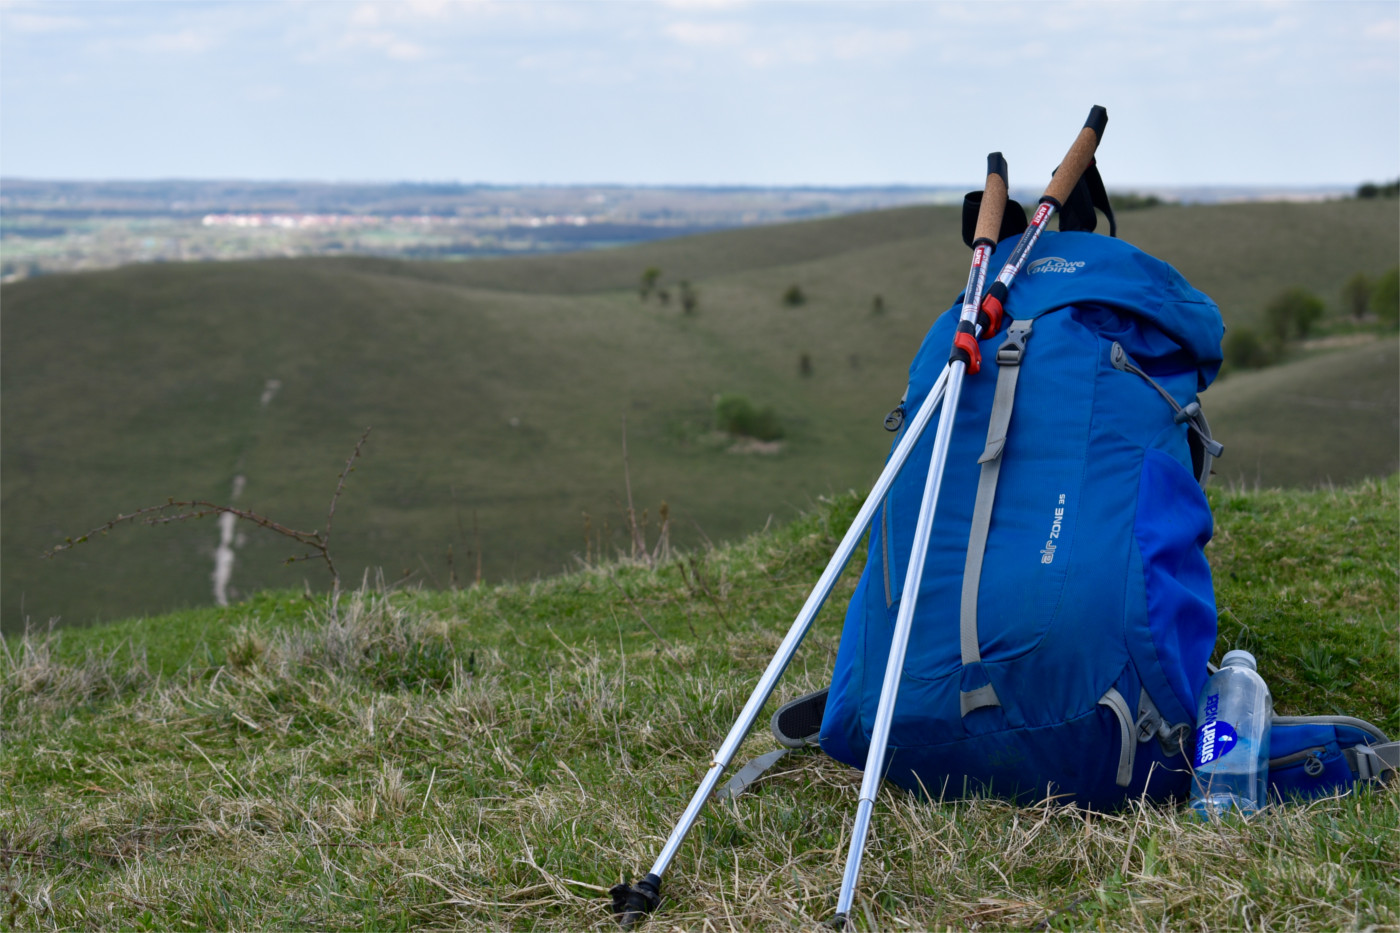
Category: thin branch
[339,486]
[639,543]
[181,510]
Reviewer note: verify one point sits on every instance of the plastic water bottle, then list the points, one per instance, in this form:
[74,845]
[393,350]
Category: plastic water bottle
[1232,740]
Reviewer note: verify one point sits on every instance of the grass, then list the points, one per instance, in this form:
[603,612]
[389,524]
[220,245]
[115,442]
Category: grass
[498,757]
[1286,425]
[497,391]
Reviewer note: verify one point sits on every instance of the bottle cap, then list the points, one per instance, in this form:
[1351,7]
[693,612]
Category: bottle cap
[1239,658]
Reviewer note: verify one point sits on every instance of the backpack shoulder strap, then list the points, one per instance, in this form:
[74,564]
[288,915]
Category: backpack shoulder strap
[1077,213]
[796,725]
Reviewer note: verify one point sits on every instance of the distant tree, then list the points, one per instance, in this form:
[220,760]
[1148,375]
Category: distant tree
[1356,295]
[877,304]
[648,282]
[1293,313]
[804,364]
[1371,190]
[690,296]
[1132,201]
[1385,297]
[794,296]
[735,414]
[1244,350]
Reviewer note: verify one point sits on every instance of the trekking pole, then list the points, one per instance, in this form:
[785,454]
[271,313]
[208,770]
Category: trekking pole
[1076,162]
[965,357]
[632,902]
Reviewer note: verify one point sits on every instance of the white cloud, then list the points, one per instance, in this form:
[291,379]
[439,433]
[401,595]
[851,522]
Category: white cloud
[391,44]
[1387,29]
[41,22]
[186,41]
[704,5]
[689,33]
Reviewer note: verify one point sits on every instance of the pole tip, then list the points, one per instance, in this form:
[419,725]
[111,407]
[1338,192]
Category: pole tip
[632,902]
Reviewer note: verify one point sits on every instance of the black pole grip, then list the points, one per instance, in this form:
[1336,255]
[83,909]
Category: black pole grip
[996,165]
[1098,119]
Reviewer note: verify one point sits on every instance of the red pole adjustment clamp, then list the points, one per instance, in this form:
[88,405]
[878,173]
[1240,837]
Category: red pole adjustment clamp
[993,308]
[972,353]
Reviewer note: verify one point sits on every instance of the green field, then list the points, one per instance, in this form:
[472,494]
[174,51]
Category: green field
[497,392]
[496,758]
[1322,418]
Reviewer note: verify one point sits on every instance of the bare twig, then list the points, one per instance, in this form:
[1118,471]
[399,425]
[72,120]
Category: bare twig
[330,513]
[180,510]
[639,543]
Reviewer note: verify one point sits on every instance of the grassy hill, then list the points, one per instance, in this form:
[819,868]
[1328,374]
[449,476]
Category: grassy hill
[497,391]
[497,757]
[1330,416]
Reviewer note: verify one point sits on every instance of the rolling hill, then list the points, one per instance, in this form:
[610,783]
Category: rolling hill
[497,392]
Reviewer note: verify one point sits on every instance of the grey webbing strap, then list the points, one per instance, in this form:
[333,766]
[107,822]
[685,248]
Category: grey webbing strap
[985,695]
[1372,761]
[749,773]
[1008,371]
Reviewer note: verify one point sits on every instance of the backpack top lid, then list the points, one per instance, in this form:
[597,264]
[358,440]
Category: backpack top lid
[1086,270]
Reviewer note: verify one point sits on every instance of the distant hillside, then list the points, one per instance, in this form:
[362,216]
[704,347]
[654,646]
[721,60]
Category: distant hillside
[497,391]
[1333,418]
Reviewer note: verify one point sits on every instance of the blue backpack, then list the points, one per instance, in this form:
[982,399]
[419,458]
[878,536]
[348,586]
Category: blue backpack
[1066,613]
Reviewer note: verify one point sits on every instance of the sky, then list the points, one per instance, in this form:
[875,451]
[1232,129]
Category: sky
[696,92]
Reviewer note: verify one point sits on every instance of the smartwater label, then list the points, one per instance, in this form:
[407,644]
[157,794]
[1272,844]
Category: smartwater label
[1214,738]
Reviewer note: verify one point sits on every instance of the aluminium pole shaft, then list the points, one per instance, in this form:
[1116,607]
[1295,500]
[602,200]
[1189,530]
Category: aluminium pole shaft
[889,690]
[774,672]
[965,355]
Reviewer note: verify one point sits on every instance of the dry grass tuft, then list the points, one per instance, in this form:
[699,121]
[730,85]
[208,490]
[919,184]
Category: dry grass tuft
[498,757]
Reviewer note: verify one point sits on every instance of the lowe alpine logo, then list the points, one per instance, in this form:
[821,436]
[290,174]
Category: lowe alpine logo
[1214,738]
[1055,264]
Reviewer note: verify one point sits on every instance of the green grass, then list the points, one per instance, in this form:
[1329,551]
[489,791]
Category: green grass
[1328,417]
[497,757]
[497,391]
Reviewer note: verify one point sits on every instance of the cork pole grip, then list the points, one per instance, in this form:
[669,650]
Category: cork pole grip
[1080,155]
[993,200]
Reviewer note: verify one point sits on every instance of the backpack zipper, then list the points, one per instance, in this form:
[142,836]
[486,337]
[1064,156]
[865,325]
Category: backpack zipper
[1308,755]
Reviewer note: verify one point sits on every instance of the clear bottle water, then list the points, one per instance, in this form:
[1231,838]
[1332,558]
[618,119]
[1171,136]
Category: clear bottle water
[1232,740]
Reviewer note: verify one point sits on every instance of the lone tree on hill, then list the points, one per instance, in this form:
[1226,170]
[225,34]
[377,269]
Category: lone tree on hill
[735,414]
[794,296]
[1244,350]
[690,296]
[1385,299]
[1356,295]
[647,285]
[1293,313]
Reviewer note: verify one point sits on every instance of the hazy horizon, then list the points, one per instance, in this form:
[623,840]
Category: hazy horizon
[712,93]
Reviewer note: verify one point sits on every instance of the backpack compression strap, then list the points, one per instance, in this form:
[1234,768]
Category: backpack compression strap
[1008,371]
